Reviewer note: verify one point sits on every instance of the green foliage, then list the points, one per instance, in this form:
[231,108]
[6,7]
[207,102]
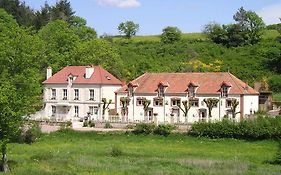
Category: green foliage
[211,103]
[116,151]
[128,28]
[144,128]
[170,35]
[108,125]
[247,30]
[129,126]
[85,124]
[275,83]
[92,124]
[164,130]
[259,128]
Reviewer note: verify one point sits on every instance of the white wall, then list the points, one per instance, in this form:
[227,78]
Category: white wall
[251,103]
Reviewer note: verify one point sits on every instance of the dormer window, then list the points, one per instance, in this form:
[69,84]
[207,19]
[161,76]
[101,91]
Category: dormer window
[225,89]
[161,91]
[191,91]
[130,91]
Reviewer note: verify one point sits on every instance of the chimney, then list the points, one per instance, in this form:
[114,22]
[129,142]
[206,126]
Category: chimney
[89,71]
[49,72]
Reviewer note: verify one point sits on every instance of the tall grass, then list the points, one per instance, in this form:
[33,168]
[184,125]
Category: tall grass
[69,152]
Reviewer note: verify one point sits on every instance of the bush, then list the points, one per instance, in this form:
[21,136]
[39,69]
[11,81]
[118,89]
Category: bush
[65,125]
[108,125]
[85,124]
[275,83]
[258,128]
[130,126]
[92,123]
[144,128]
[116,151]
[31,131]
[164,130]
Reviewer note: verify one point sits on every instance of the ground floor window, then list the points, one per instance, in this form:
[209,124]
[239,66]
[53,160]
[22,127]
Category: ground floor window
[76,110]
[54,110]
[91,110]
[158,101]
[96,110]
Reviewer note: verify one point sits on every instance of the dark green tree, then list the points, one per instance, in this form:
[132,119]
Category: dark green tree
[128,28]
[170,35]
[62,10]
[43,16]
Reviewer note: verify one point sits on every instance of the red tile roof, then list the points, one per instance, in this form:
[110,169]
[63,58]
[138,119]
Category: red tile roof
[208,83]
[100,76]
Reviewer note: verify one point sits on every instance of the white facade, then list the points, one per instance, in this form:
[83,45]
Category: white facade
[170,113]
[64,108]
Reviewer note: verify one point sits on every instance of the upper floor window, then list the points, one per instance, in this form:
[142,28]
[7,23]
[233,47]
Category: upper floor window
[130,91]
[175,102]
[76,94]
[194,102]
[224,91]
[158,101]
[54,94]
[161,91]
[92,94]
[139,101]
[64,94]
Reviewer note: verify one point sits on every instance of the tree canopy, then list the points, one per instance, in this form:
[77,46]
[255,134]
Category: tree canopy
[170,35]
[128,28]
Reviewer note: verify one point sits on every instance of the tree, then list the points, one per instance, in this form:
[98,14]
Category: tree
[19,79]
[250,23]
[85,33]
[170,35]
[216,33]
[185,110]
[62,10]
[128,28]
[43,16]
[105,105]
[145,103]
[211,103]
[125,101]
[21,12]
[234,105]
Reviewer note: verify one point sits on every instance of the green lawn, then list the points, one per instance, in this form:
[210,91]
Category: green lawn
[89,153]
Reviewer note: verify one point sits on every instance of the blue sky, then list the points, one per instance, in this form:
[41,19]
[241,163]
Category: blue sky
[154,15]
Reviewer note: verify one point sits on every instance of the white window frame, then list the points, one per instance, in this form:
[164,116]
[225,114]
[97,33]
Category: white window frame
[54,94]
[54,110]
[191,91]
[76,111]
[224,91]
[64,92]
[91,110]
[161,91]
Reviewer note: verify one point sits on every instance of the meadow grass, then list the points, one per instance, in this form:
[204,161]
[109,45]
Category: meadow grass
[91,153]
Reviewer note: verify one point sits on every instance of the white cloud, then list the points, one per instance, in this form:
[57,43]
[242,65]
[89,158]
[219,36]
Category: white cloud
[120,3]
[271,14]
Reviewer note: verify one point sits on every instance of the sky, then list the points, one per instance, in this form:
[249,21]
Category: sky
[154,15]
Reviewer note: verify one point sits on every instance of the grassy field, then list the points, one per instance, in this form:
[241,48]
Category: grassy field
[90,153]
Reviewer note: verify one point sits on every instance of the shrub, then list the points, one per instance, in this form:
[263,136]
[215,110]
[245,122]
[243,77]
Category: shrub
[116,151]
[130,126]
[85,124]
[258,128]
[144,128]
[92,123]
[164,130]
[30,132]
[108,125]
[65,125]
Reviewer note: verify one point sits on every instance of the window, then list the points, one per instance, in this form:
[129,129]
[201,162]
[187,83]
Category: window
[161,91]
[130,91]
[139,101]
[158,102]
[54,94]
[76,111]
[76,94]
[175,102]
[191,91]
[54,110]
[92,94]
[96,110]
[228,103]
[64,94]
[224,91]
[194,103]
[91,110]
